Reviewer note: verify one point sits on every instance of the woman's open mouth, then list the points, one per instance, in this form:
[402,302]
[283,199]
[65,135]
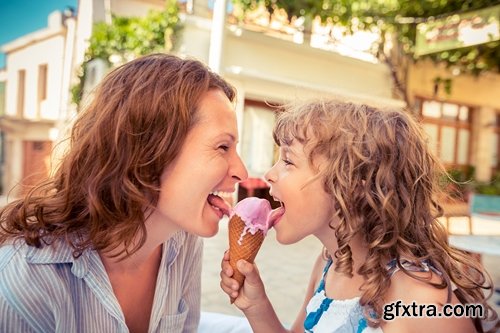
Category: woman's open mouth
[219,205]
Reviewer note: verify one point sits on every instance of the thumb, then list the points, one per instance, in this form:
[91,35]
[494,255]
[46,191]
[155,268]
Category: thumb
[250,271]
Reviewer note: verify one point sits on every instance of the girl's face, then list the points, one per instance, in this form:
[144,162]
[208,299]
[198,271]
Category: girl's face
[307,207]
[207,163]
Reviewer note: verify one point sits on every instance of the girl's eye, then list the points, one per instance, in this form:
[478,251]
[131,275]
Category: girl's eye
[287,162]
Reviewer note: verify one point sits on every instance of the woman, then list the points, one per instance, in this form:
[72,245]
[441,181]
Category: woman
[109,243]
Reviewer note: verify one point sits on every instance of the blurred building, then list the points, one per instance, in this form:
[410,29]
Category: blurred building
[36,97]
[3,79]
[268,65]
[41,67]
[463,123]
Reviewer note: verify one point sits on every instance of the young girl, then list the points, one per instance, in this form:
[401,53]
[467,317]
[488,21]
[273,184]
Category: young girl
[109,243]
[362,180]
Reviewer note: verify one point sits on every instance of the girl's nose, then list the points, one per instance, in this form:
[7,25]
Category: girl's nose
[238,170]
[270,175]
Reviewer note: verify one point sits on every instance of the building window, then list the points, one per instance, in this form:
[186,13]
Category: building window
[258,149]
[448,127]
[38,145]
[42,82]
[2,98]
[21,78]
[42,88]
[257,146]
[495,147]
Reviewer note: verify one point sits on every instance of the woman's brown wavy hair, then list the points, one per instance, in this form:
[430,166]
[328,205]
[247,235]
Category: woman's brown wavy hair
[383,181]
[120,144]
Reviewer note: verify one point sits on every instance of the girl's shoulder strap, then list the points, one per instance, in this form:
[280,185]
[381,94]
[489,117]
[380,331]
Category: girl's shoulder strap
[321,285]
[424,266]
[327,266]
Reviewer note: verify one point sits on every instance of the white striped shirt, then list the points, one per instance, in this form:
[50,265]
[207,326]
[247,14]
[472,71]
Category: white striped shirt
[47,290]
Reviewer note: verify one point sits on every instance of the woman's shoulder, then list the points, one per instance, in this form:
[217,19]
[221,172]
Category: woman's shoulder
[24,261]
[9,252]
[28,275]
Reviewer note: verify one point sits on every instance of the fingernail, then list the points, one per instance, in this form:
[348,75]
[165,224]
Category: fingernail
[240,265]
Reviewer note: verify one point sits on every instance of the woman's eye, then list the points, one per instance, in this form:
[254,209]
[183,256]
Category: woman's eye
[224,147]
[287,162]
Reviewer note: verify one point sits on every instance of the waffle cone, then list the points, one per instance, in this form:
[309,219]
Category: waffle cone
[250,245]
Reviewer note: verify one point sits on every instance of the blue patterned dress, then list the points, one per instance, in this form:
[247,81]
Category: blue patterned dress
[326,315]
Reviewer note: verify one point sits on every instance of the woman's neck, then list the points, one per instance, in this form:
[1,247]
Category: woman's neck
[158,231]
[139,260]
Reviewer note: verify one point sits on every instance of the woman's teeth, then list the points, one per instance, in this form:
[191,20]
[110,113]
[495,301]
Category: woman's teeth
[221,193]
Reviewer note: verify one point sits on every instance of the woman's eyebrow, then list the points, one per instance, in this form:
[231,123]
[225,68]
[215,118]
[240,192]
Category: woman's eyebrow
[227,134]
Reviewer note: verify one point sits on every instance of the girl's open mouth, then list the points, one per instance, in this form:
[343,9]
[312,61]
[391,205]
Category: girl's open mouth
[276,215]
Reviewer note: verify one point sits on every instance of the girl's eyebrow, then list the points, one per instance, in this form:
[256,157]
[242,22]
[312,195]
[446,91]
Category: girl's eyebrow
[289,150]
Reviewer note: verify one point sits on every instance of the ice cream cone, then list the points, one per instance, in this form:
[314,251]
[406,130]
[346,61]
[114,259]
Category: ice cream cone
[242,247]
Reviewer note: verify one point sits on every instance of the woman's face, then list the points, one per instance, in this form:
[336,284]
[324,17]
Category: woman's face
[207,163]
[307,207]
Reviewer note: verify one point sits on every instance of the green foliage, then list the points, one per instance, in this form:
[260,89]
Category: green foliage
[77,89]
[399,16]
[461,182]
[492,187]
[130,37]
[458,182]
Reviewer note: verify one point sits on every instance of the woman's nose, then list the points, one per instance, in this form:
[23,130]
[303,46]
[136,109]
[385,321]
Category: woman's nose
[238,171]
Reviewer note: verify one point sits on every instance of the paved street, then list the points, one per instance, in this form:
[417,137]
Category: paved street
[285,270]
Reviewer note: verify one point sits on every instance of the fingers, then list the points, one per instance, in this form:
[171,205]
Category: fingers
[229,285]
[226,267]
[228,280]
[250,271]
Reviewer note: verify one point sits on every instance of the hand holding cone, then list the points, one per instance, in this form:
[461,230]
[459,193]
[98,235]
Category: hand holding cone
[250,245]
[251,219]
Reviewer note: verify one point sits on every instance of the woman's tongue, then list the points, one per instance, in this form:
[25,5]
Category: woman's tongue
[219,203]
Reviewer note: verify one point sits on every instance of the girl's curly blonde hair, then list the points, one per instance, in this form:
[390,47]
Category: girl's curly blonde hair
[383,180]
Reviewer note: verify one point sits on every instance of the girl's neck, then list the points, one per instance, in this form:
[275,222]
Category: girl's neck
[358,247]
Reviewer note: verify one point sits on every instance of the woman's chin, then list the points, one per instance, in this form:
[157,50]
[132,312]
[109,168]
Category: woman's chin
[209,223]
[211,233]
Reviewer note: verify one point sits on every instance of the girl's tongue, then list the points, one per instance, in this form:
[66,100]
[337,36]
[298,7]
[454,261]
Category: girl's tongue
[275,216]
[219,203]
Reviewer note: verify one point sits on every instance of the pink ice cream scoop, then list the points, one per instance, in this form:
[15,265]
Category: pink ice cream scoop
[255,214]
